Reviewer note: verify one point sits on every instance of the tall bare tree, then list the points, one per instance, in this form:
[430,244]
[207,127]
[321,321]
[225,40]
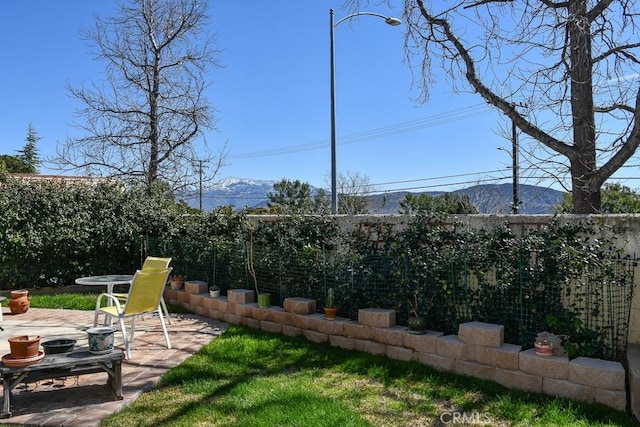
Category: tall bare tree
[353,189]
[574,63]
[145,120]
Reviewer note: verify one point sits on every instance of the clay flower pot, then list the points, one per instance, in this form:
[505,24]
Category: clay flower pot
[331,313]
[543,349]
[20,301]
[23,346]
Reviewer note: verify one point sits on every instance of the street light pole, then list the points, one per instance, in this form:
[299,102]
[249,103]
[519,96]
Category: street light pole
[334,172]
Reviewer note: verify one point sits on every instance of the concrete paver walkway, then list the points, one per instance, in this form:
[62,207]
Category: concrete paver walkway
[85,400]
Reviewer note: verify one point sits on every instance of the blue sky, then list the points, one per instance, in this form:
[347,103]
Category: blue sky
[272,95]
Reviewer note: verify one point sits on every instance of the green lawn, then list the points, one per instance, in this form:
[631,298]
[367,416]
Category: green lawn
[253,378]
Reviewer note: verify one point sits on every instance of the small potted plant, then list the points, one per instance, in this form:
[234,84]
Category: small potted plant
[547,343]
[330,309]
[176,281]
[214,291]
[417,324]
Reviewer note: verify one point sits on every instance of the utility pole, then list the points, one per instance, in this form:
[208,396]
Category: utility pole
[515,167]
[200,170]
[514,156]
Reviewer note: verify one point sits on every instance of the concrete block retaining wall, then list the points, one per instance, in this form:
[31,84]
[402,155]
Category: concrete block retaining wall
[478,350]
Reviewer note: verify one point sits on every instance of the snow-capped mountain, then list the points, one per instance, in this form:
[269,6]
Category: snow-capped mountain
[237,192]
[241,192]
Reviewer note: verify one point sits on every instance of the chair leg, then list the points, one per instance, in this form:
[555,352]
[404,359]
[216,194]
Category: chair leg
[133,328]
[164,328]
[164,308]
[123,329]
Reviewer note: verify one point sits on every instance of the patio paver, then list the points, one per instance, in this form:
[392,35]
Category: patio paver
[86,400]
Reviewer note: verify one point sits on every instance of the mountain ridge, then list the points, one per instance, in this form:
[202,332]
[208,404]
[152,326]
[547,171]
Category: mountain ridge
[488,198]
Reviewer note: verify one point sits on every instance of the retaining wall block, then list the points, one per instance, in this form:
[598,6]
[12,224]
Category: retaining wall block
[377,317]
[183,297]
[506,356]
[357,331]
[209,303]
[544,366]
[425,343]
[437,362]
[568,389]
[474,369]
[170,294]
[514,378]
[342,342]
[240,296]
[451,346]
[299,305]
[244,310]
[222,305]
[201,311]
[307,322]
[315,337]
[291,331]
[196,287]
[331,327]
[250,322]
[597,373]
[481,333]
[278,315]
[633,361]
[390,336]
[214,314]
[616,399]
[370,347]
[400,353]
[268,326]
[231,318]
[196,300]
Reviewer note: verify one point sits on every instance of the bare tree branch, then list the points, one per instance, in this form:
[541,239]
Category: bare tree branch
[145,121]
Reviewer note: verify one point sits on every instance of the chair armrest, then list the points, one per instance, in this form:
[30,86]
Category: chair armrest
[113,299]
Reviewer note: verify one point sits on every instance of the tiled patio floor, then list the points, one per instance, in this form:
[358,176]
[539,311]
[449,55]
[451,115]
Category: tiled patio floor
[85,400]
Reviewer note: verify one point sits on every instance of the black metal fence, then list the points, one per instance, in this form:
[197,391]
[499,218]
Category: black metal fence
[591,308]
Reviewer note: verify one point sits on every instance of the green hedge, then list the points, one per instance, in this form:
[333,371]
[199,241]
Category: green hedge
[559,278]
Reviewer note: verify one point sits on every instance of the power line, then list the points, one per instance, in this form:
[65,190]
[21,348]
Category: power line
[403,127]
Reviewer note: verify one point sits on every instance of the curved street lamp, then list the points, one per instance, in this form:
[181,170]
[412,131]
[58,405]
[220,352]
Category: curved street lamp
[390,21]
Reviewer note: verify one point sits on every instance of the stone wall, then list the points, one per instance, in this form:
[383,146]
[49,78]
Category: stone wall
[478,350]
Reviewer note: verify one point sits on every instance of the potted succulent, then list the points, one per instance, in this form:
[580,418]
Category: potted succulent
[214,291]
[417,324]
[330,309]
[547,343]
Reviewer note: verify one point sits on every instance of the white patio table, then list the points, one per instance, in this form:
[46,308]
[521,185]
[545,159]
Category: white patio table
[108,280]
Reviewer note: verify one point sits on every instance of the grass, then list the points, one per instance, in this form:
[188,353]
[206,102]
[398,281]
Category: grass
[253,378]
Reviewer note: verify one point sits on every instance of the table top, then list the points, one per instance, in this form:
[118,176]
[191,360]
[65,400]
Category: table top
[107,279]
[65,360]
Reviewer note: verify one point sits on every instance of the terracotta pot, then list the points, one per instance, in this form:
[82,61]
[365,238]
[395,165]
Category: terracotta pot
[176,283]
[543,349]
[331,313]
[24,346]
[20,301]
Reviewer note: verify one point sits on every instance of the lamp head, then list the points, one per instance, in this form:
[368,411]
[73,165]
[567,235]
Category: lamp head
[394,22]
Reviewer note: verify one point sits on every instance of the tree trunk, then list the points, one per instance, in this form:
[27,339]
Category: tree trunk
[586,198]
